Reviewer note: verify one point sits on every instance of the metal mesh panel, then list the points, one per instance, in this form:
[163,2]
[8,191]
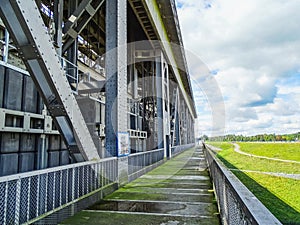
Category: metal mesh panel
[42,193]
[23,200]
[50,191]
[70,182]
[57,189]
[11,201]
[30,195]
[2,202]
[64,187]
[33,196]
[231,205]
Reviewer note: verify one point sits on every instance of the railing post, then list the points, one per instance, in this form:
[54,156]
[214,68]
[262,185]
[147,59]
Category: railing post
[38,196]
[18,196]
[28,198]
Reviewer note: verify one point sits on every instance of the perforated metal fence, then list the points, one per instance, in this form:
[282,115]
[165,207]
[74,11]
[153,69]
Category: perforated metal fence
[24,197]
[237,205]
[180,148]
[141,163]
[35,196]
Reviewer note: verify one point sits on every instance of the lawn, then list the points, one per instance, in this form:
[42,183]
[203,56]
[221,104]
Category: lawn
[290,151]
[279,195]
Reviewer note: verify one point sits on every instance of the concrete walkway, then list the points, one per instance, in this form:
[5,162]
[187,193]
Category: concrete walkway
[178,192]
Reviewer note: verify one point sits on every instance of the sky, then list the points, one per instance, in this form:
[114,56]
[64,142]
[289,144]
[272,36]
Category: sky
[244,62]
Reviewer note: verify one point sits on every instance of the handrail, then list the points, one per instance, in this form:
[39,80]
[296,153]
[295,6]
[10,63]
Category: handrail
[236,203]
[51,170]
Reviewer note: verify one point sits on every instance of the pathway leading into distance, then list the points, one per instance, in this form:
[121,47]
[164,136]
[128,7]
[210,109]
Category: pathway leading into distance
[179,192]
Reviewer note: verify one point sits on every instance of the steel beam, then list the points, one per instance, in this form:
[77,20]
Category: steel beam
[6,47]
[116,73]
[58,19]
[78,20]
[154,13]
[28,31]
[159,101]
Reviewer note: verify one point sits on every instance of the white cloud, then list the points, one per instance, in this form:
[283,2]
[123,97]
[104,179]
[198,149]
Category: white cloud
[251,46]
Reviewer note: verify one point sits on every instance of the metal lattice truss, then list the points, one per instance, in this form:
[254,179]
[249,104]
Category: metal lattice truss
[25,24]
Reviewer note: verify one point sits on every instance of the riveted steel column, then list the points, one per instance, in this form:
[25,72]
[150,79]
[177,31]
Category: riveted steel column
[159,101]
[73,48]
[6,46]
[116,73]
[58,18]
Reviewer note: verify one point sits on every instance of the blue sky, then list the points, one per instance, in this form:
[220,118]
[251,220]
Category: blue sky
[248,53]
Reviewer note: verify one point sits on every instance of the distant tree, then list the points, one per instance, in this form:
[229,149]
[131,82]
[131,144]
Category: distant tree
[278,138]
[204,137]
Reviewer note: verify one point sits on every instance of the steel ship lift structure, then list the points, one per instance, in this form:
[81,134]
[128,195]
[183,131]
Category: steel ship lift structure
[103,69]
[93,94]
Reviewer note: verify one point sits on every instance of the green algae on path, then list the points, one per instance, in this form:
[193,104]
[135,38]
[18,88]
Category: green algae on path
[108,218]
[175,193]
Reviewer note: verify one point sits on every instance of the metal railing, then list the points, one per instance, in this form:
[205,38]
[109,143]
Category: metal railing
[141,163]
[178,149]
[33,196]
[26,197]
[236,203]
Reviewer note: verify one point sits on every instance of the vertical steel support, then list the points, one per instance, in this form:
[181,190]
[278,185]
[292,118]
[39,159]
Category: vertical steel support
[58,18]
[72,50]
[6,46]
[135,82]
[166,107]
[116,83]
[159,101]
[177,121]
[42,153]
[116,73]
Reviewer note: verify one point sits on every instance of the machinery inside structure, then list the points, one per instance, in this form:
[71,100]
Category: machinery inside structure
[90,79]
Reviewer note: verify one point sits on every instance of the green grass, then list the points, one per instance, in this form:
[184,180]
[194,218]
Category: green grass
[221,145]
[244,162]
[279,195]
[289,151]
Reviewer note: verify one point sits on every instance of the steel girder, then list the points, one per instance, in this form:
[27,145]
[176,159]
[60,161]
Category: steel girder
[79,19]
[25,24]
[116,73]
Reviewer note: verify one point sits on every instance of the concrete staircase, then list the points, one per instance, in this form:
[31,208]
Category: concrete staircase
[176,193]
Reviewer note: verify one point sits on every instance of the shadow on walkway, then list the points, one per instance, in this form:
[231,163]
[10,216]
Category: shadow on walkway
[176,193]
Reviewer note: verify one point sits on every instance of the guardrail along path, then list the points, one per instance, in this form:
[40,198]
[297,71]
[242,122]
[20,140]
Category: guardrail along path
[176,193]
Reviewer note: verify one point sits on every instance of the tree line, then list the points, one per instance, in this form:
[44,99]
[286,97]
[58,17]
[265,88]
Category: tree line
[258,137]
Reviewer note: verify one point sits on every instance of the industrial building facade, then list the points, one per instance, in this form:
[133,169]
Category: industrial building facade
[93,94]
[120,62]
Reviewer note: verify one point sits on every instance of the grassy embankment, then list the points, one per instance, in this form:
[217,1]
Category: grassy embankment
[280,195]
